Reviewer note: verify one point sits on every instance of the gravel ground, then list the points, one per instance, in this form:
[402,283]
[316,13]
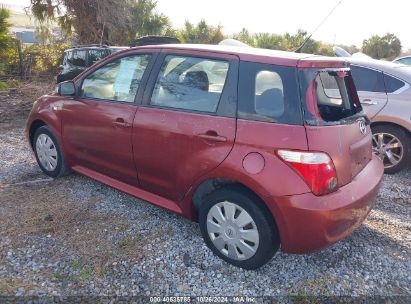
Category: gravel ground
[74,236]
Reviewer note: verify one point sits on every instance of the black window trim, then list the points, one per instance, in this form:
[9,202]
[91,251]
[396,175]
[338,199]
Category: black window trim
[400,90]
[227,106]
[139,95]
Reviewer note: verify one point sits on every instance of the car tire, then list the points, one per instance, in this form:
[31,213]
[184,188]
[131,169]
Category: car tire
[382,135]
[238,228]
[48,153]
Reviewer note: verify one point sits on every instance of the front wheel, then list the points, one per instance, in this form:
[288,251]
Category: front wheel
[393,146]
[48,153]
[237,228]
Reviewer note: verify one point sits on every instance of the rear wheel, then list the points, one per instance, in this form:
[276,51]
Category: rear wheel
[48,153]
[237,228]
[392,145]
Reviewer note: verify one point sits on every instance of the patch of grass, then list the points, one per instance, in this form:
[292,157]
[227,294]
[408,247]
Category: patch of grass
[86,273]
[60,276]
[6,263]
[130,242]
[306,288]
[77,264]
[3,86]
[102,272]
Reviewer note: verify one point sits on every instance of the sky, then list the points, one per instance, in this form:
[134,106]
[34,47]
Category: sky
[351,23]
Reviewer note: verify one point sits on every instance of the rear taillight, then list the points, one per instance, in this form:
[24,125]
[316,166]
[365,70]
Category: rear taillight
[316,168]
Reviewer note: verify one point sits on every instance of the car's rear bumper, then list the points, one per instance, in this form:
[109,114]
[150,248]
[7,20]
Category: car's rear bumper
[308,223]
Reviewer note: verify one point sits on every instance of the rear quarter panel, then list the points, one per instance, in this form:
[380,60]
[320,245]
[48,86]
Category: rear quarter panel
[264,173]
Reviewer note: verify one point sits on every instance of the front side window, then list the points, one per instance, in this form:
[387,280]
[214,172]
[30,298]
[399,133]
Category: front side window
[95,55]
[79,58]
[368,80]
[269,93]
[118,80]
[190,83]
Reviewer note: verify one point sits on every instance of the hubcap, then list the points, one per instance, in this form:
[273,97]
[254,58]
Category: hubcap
[388,148]
[232,231]
[46,152]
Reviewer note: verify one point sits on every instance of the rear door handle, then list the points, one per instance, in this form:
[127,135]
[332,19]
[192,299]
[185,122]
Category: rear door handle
[119,122]
[368,102]
[212,136]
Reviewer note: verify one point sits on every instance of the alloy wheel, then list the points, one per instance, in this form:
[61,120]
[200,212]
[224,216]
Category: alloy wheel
[389,148]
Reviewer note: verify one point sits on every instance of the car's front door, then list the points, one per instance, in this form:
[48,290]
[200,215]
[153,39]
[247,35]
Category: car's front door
[371,89]
[97,125]
[187,123]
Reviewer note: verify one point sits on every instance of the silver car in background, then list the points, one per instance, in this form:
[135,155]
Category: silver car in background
[385,94]
[403,60]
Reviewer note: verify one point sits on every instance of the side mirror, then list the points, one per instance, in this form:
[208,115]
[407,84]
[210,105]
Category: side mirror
[67,88]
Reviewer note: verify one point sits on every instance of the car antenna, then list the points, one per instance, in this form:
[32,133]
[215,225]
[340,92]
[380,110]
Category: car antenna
[298,50]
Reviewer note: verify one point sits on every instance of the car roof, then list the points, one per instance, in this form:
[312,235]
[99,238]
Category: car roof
[257,55]
[87,48]
[399,70]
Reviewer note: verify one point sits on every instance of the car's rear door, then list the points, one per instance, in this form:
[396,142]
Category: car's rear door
[187,123]
[97,126]
[371,89]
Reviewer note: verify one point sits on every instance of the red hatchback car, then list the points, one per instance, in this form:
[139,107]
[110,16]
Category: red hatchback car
[265,149]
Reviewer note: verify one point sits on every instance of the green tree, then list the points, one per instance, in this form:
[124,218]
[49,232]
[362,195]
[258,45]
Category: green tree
[6,42]
[270,41]
[44,33]
[91,20]
[245,36]
[5,37]
[388,46]
[146,21]
[349,48]
[200,33]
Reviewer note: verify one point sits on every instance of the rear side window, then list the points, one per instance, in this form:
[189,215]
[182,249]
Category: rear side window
[95,55]
[79,58]
[68,58]
[190,83]
[368,80]
[65,58]
[392,84]
[268,93]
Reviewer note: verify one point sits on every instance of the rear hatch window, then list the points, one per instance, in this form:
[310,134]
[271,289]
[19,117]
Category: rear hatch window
[334,120]
[330,96]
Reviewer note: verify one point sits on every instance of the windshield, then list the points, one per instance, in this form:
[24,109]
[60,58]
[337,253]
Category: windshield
[329,96]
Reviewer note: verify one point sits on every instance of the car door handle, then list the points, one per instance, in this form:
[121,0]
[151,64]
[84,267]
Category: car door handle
[121,123]
[212,136]
[368,102]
